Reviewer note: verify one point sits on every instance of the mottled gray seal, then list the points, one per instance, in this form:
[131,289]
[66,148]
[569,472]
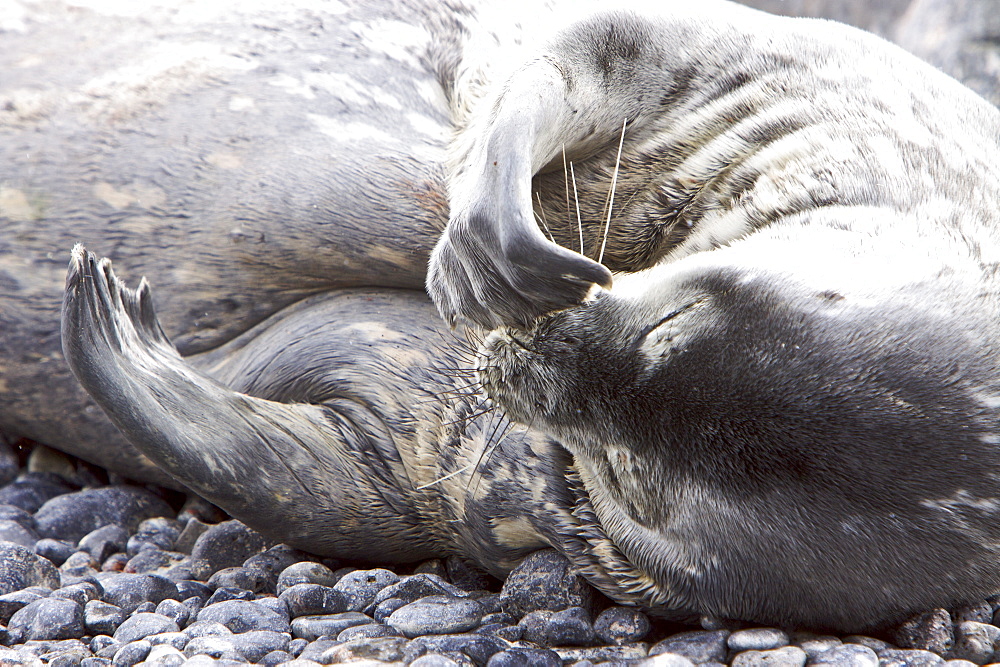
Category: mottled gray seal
[787,415]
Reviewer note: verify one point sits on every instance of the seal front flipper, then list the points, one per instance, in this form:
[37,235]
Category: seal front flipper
[295,471]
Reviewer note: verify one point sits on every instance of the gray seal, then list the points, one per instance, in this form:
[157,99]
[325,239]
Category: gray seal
[799,366]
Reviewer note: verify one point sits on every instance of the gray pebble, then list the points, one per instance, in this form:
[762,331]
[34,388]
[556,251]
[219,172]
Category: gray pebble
[786,656]
[164,655]
[616,654]
[413,587]
[207,629]
[187,588]
[214,647]
[101,642]
[757,639]
[385,608]
[478,647]
[178,611]
[362,586]
[313,627]
[846,655]
[79,564]
[159,532]
[815,645]
[102,618]
[305,573]
[320,650]
[511,633]
[370,630]
[11,602]
[226,594]
[141,625]
[155,560]
[71,516]
[56,551]
[980,612]
[876,645]
[544,580]
[14,513]
[128,591]
[244,615]
[313,599]
[274,560]
[436,660]
[975,642]
[48,618]
[568,627]
[696,646]
[621,625]
[436,615]
[104,541]
[228,544]
[21,568]
[12,531]
[931,631]
[249,579]
[525,657]
[132,654]
[255,644]
[466,576]
[383,649]
[276,658]
[81,592]
[665,660]
[32,490]
[908,658]
[177,640]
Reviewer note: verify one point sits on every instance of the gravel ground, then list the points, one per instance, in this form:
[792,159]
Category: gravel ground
[94,571]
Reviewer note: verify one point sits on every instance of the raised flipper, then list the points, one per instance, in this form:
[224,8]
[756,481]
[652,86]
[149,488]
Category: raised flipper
[307,474]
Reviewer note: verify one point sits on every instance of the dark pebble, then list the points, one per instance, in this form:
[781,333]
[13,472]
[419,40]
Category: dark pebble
[437,615]
[568,627]
[249,579]
[980,612]
[12,531]
[82,592]
[314,627]
[32,490]
[79,564]
[621,625]
[71,516]
[207,629]
[21,568]
[226,594]
[101,642]
[511,633]
[305,572]
[477,647]
[132,654]
[48,618]
[178,611]
[931,631]
[187,588]
[153,560]
[193,529]
[370,631]
[544,580]
[141,625]
[385,609]
[228,544]
[525,657]
[197,569]
[313,599]
[128,591]
[21,516]
[696,646]
[56,551]
[320,650]
[104,541]
[975,642]
[274,560]
[417,586]
[11,602]
[908,658]
[244,615]
[255,644]
[276,658]
[362,586]
[382,649]
[159,532]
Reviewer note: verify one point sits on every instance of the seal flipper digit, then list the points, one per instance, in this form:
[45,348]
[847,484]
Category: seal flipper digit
[213,439]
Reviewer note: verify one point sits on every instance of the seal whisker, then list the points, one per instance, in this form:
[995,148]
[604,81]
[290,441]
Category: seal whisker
[611,194]
[540,216]
[576,198]
[444,478]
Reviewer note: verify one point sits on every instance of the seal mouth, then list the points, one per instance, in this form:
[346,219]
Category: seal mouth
[500,371]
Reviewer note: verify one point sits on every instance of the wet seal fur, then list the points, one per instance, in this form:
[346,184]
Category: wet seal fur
[789,415]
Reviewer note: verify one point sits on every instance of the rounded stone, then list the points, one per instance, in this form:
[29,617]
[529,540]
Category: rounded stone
[382,649]
[102,618]
[371,631]
[930,631]
[757,639]
[104,541]
[568,627]
[437,615]
[159,532]
[416,586]
[847,655]
[362,586]
[141,625]
[228,544]
[165,655]
[178,640]
[313,599]
[214,647]
[305,572]
[314,627]
[128,591]
[975,642]
[621,625]
[73,515]
[697,646]
[244,615]
[177,611]
[255,644]
[153,560]
[132,653]
[477,647]
[525,657]
[786,656]
[32,490]
[544,580]
[908,658]
[11,602]
[273,561]
[21,568]
[12,531]
[248,579]
[226,594]
[48,618]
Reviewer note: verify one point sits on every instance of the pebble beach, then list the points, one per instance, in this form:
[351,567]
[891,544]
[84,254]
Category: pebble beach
[95,571]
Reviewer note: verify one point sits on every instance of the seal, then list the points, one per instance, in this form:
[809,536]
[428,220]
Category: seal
[802,361]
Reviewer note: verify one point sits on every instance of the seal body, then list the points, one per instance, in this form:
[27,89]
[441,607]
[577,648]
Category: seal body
[807,320]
